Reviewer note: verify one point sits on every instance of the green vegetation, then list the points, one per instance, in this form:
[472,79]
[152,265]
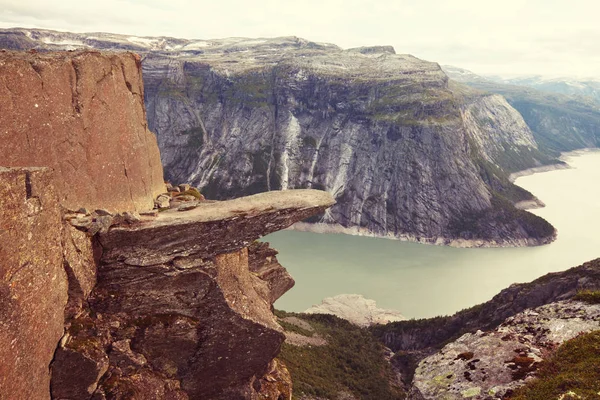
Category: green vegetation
[351,361]
[483,224]
[573,372]
[588,296]
[195,137]
[190,192]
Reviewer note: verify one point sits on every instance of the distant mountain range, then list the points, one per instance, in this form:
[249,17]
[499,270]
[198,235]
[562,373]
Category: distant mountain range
[559,122]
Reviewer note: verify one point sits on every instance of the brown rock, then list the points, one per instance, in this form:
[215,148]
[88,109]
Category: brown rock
[162,201]
[80,266]
[187,206]
[184,186]
[185,197]
[82,114]
[33,284]
[263,262]
[177,292]
[277,383]
[132,217]
[75,374]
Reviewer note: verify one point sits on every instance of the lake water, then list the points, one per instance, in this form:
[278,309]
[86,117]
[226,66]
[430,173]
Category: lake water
[425,280]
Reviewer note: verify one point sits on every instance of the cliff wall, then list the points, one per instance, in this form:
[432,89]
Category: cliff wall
[81,114]
[33,283]
[173,305]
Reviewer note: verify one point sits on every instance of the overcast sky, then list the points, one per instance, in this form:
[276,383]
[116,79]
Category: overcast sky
[509,37]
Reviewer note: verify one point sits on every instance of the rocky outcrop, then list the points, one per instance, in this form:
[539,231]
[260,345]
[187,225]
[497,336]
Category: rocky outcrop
[383,132]
[177,306]
[490,365]
[428,333]
[99,304]
[414,340]
[82,114]
[33,283]
[356,309]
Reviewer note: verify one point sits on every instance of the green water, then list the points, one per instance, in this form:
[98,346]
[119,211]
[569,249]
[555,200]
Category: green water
[425,280]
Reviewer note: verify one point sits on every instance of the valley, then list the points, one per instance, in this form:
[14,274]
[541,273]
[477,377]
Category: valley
[426,281]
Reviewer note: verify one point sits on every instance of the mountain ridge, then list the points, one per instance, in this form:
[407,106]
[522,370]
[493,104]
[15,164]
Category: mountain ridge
[387,134]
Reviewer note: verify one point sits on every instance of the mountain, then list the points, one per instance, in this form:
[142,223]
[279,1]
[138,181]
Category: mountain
[405,152]
[576,87]
[558,122]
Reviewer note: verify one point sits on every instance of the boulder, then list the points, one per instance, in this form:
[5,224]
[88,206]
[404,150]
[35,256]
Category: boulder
[490,365]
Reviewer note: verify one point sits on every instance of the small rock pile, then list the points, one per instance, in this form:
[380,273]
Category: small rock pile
[181,197]
[99,221]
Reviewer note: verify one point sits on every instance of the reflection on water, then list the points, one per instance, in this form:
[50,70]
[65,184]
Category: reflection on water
[424,280]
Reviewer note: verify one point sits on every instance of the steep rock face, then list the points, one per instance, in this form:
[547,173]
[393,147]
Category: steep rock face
[490,365]
[558,122]
[382,132]
[395,158]
[33,283]
[177,311]
[83,115]
[497,129]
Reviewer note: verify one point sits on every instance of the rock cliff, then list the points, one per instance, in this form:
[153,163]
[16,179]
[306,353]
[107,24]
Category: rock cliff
[558,122]
[177,311]
[170,305]
[81,114]
[383,132]
[33,283]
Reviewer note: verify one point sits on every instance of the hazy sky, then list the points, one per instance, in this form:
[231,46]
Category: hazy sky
[546,37]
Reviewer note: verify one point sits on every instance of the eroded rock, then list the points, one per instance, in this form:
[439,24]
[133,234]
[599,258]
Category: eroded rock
[177,302]
[490,365]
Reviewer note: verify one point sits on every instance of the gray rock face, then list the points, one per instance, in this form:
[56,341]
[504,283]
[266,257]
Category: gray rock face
[489,365]
[560,121]
[382,132]
[356,309]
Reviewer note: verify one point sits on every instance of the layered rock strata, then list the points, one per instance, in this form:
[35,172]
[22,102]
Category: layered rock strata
[178,307]
[383,132]
[100,301]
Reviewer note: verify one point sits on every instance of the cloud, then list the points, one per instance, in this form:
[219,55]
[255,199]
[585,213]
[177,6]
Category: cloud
[514,36]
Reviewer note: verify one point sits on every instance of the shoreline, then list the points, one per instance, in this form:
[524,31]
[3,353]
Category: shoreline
[321,227]
[534,203]
[536,170]
[564,158]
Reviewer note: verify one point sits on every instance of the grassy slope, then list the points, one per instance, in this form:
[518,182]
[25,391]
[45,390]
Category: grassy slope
[351,361]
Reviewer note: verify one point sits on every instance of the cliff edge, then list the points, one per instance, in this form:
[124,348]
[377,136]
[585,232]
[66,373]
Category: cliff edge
[170,305]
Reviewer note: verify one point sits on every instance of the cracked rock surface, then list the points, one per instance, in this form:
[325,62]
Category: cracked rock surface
[490,365]
[82,114]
